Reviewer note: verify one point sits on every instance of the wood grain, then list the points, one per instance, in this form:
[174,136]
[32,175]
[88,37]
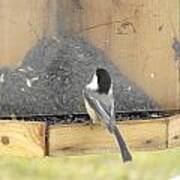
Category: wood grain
[137,36]
[27,139]
[174,132]
[19,138]
[22,24]
[80,139]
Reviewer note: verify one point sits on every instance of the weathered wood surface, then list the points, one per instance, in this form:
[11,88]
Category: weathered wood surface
[141,135]
[22,24]
[26,139]
[137,35]
[174,132]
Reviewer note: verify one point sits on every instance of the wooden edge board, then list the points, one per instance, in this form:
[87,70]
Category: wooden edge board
[141,135]
[20,138]
[174,132]
[27,139]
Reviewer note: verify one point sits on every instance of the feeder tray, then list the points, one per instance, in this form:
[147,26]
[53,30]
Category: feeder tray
[39,136]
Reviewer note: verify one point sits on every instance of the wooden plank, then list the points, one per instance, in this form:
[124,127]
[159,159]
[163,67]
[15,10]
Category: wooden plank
[22,24]
[137,35]
[80,139]
[25,139]
[141,44]
[174,132]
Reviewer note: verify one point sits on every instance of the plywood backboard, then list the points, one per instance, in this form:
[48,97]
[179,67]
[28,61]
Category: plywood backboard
[137,36]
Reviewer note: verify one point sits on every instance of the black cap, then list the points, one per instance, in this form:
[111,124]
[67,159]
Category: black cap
[104,80]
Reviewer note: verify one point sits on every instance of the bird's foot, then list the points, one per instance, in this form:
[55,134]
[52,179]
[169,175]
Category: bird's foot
[91,124]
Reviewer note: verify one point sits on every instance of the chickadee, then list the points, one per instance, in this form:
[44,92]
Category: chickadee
[99,103]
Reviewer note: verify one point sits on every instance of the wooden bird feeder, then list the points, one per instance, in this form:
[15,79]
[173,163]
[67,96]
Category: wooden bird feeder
[140,37]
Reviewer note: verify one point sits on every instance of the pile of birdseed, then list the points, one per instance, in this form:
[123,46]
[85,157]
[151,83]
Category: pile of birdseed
[52,75]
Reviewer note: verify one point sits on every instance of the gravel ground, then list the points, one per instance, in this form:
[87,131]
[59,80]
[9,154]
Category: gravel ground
[52,75]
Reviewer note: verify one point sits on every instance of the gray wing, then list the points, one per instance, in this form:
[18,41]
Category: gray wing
[104,107]
[103,104]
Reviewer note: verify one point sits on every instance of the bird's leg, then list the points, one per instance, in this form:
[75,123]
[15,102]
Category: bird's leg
[91,123]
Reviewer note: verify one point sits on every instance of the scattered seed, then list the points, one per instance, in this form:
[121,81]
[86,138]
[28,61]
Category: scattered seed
[129,88]
[28,82]
[35,78]
[21,70]
[2,78]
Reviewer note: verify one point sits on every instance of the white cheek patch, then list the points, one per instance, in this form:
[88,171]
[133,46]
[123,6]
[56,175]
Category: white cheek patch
[93,85]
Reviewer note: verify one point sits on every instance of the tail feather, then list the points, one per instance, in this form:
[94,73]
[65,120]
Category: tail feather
[126,155]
